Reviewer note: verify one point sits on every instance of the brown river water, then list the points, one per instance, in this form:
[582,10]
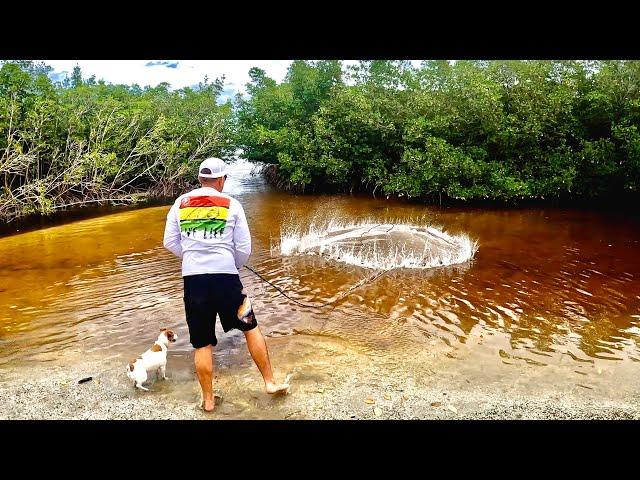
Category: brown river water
[546,287]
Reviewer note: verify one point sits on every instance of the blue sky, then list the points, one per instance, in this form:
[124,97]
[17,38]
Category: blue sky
[178,73]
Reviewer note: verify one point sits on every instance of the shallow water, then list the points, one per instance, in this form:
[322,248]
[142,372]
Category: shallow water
[546,287]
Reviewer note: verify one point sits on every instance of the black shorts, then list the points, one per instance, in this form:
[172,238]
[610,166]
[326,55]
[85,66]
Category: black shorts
[210,294]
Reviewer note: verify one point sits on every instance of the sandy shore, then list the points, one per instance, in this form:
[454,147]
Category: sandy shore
[324,386]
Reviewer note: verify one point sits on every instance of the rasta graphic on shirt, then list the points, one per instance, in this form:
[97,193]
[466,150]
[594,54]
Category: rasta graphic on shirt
[204,214]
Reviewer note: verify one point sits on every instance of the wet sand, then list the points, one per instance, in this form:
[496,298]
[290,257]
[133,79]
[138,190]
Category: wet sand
[330,380]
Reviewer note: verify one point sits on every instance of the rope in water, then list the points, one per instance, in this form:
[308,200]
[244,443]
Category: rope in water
[325,304]
[343,295]
[362,282]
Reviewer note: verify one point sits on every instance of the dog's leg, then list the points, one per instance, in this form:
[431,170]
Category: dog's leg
[162,371]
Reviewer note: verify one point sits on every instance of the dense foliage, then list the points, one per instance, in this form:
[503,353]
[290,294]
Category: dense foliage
[469,130]
[83,141]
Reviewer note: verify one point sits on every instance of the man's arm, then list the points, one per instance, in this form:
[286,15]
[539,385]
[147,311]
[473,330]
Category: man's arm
[241,239]
[172,233]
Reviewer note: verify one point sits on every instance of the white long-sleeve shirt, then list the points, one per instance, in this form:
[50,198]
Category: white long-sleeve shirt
[208,230]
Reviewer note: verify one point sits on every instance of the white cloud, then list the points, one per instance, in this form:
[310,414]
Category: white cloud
[187,72]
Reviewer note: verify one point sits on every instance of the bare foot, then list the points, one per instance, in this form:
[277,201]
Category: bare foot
[207,405]
[276,388]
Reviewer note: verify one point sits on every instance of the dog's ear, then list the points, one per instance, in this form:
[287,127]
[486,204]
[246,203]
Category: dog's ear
[163,329]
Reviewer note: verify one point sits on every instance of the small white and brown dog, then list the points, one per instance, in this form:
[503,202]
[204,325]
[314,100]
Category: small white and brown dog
[153,359]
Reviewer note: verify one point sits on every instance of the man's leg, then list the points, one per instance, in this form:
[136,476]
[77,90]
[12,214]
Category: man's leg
[204,369]
[258,350]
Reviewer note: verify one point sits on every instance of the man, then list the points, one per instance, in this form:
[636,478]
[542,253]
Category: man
[208,230]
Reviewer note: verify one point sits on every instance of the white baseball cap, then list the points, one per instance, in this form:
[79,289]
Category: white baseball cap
[212,168]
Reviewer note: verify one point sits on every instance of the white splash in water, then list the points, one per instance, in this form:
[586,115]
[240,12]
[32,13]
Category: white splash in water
[380,245]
